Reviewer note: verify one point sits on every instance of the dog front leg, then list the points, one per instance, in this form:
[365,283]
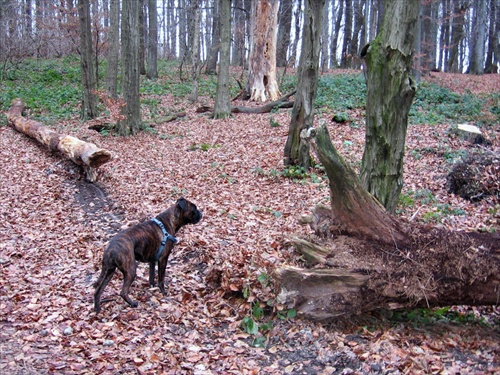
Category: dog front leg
[162,265]
[152,281]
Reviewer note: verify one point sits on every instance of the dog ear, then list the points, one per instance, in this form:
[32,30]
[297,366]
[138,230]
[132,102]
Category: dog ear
[182,203]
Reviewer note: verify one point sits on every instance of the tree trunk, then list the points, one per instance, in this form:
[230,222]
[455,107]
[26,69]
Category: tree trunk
[297,151]
[152,72]
[345,60]
[239,27]
[390,92]
[143,29]
[222,107]
[130,60]
[364,259]
[284,27]
[262,84]
[194,33]
[478,37]
[335,36]
[457,33]
[82,153]
[89,80]
[215,46]
[113,49]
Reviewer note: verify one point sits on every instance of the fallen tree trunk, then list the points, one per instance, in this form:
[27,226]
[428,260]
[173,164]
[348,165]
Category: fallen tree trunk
[282,102]
[365,259]
[88,155]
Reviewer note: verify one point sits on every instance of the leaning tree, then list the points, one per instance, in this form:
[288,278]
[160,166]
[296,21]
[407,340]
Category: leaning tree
[361,258]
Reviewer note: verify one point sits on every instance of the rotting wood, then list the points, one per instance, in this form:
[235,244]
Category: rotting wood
[283,102]
[360,258]
[85,154]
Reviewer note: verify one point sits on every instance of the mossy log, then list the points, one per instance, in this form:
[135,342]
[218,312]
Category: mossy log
[85,154]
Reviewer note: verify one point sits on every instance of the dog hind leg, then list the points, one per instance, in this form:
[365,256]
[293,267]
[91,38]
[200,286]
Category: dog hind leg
[128,278]
[100,284]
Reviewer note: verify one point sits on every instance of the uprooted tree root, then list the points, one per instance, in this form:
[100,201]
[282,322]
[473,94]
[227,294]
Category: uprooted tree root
[345,274]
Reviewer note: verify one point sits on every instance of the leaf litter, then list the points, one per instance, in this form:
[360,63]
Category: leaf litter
[54,228]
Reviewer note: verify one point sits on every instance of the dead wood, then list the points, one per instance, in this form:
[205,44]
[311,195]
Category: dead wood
[283,102]
[85,154]
[360,258]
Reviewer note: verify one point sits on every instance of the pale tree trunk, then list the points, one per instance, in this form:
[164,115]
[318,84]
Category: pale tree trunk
[390,93]
[222,108]
[262,84]
[89,80]
[113,49]
[152,71]
[130,60]
[88,155]
[362,259]
[297,151]
[194,32]
[478,37]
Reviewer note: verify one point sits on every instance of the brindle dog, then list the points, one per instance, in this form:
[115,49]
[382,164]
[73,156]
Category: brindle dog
[142,243]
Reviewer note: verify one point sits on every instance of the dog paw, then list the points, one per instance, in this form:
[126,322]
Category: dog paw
[134,304]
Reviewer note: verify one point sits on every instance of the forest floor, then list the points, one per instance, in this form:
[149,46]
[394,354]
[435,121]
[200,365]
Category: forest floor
[54,227]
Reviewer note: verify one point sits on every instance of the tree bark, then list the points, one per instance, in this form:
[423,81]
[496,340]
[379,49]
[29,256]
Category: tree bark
[113,49]
[213,51]
[89,79]
[152,71]
[194,33]
[82,153]
[130,60]
[282,102]
[284,27]
[478,37]
[362,259]
[222,106]
[262,84]
[390,93]
[296,151]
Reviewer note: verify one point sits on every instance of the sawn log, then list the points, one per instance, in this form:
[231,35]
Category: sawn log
[88,155]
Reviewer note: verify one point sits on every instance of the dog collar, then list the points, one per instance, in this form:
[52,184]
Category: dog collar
[166,236]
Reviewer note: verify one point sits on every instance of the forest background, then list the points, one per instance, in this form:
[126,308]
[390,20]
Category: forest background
[221,305]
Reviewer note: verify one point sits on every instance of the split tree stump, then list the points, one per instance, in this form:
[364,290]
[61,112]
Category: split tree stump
[85,154]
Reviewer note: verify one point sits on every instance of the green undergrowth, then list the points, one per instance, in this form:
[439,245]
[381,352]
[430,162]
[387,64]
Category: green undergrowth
[425,316]
[52,91]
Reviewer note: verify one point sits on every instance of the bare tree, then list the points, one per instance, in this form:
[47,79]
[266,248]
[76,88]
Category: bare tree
[390,93]
[130,61]
[113,49]
[213,52]
[89,80]
[296,150]
[478,37]
[262,84]
[284,27]
[152,71]
[222,107]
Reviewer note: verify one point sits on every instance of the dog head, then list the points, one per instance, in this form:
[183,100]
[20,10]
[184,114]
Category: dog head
[187,212]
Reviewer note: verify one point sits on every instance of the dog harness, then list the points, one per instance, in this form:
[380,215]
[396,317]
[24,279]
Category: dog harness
[166,236]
